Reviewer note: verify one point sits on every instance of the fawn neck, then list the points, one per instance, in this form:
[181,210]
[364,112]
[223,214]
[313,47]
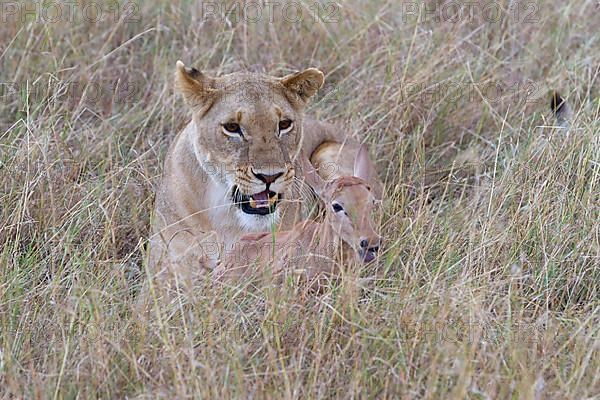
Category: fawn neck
[330,241]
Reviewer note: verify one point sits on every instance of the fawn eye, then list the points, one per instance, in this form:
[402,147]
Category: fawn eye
[285,126]
[337,208]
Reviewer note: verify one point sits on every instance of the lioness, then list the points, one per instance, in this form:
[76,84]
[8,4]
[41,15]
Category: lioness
[232,170]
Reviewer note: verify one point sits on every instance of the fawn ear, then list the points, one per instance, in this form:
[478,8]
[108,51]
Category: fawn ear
[304,84]
[365,169]
[197,89]
[311,176]
[363,166]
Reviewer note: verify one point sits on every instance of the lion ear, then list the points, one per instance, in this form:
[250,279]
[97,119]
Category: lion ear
[304,84]
[197,89]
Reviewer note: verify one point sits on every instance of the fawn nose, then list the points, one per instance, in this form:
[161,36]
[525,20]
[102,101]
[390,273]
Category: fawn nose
[370,245]
[267,178]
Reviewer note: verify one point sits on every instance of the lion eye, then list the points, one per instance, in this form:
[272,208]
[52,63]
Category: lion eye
[233,131]
[232,127]
[337,207]
[285,126]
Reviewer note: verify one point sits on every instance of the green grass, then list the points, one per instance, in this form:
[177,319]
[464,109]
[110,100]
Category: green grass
[489,286]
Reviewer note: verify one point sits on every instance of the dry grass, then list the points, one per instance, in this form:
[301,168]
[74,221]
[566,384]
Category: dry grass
[489,288]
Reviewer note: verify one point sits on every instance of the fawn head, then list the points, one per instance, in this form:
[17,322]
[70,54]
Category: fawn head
[349,205]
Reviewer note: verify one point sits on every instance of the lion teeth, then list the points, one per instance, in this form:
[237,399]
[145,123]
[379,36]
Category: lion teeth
[271,200]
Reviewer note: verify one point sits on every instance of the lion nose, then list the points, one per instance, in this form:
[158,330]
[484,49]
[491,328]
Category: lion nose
[267,178]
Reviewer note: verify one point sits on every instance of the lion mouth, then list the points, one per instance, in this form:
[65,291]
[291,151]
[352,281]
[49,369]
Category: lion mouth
[261,203]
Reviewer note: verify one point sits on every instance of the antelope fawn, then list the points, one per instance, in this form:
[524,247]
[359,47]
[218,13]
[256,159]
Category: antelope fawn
[314,249]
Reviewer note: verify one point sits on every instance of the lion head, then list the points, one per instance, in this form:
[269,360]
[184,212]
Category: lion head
[248,132]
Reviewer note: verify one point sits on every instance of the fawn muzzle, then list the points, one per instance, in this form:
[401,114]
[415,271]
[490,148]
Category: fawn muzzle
[368,249]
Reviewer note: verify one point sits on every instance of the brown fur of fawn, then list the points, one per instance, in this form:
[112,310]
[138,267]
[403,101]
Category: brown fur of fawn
[313,249]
